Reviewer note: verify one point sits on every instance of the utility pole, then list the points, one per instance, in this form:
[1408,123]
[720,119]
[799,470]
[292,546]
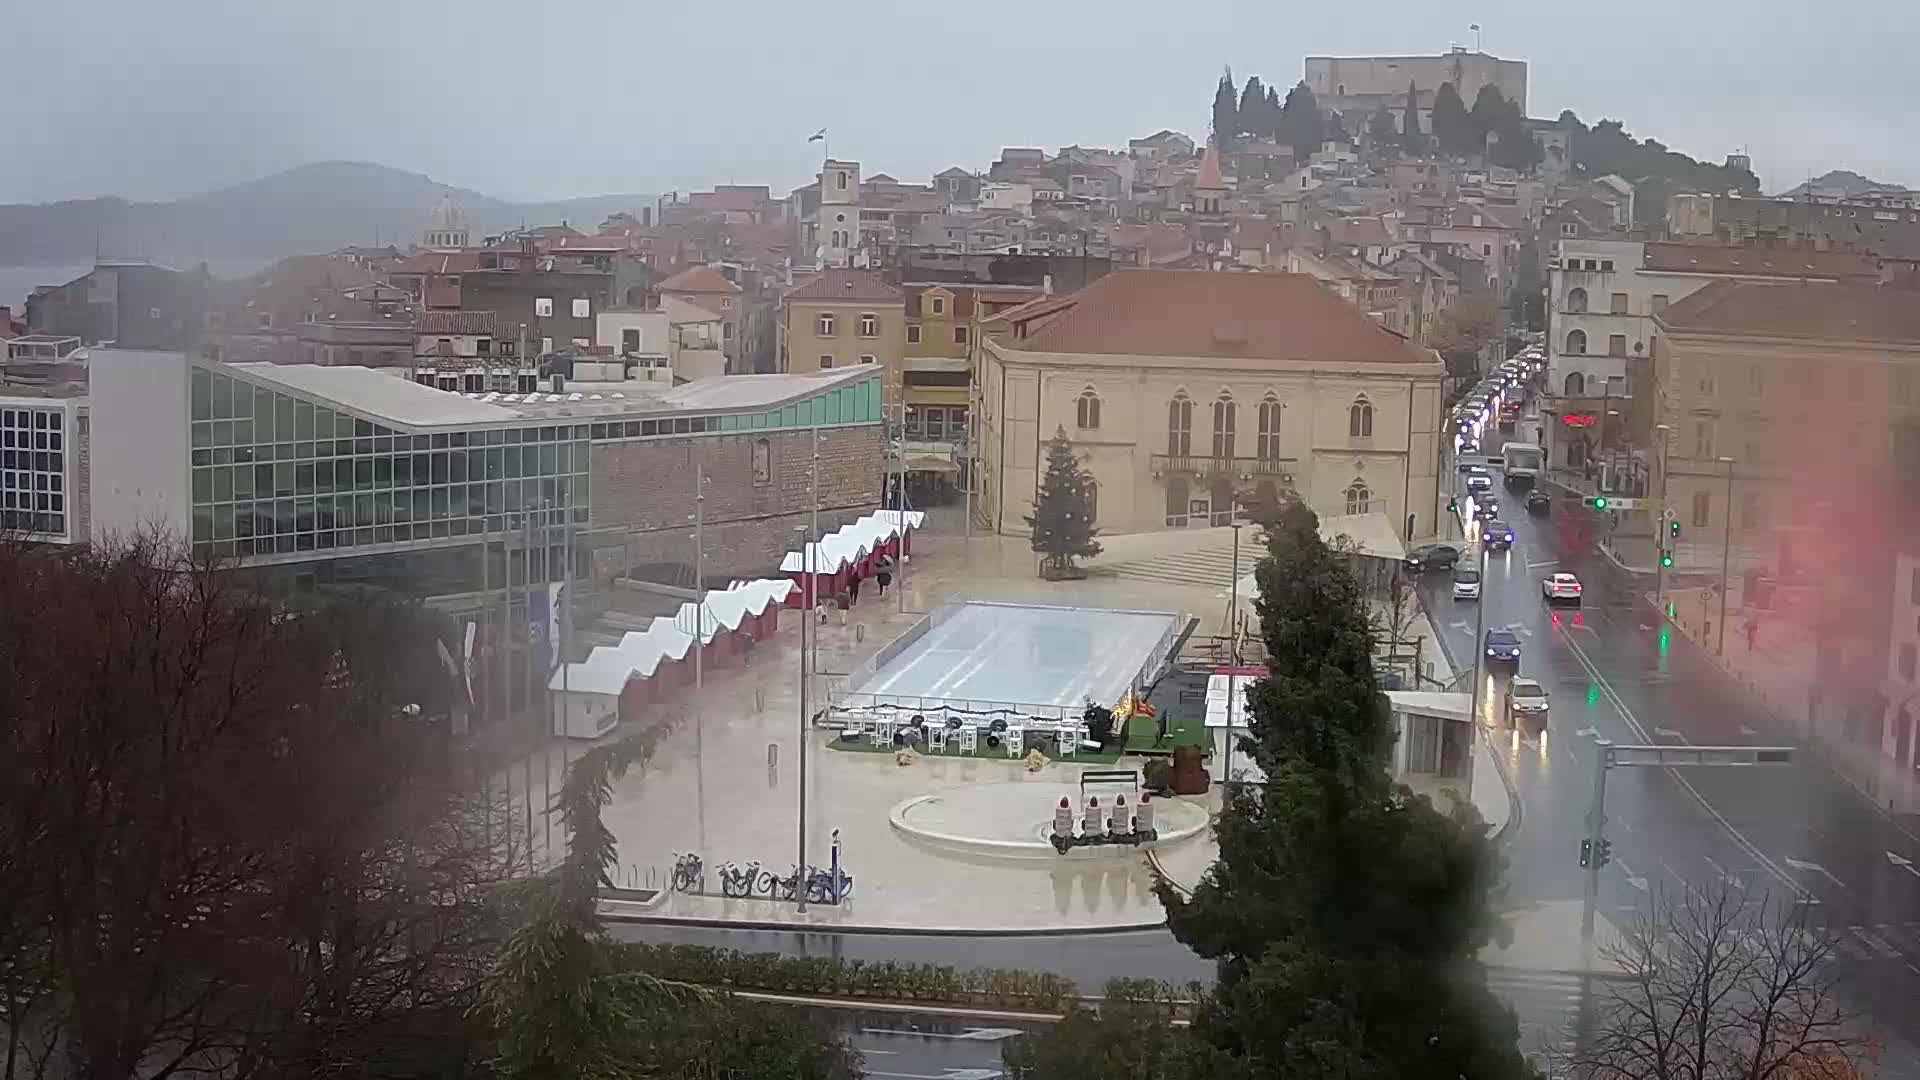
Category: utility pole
[808,660]
[1665,536]
[699,586]
[1726,560]
[900,504]
[1479,633]
[1591,849]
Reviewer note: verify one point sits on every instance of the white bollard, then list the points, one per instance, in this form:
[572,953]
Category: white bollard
[1119,824]
[1143,819]
[1063,819]
[1091,825]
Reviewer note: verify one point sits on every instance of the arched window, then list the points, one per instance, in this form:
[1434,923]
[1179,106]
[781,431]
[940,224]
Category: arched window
[1576,384]
[1359,499]
[1268,445]
[1086,411]
[1225,417]
[1577,342]
[1180,425]
[1577,301]
[1360,418]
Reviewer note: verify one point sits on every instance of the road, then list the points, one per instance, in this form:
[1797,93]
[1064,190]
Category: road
[1798,832]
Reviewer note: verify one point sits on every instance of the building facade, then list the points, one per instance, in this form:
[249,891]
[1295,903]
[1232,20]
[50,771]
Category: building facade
[845,318]
[1357,85]
[43,467]
[1186,392]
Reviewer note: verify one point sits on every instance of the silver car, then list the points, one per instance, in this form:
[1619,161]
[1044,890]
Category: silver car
[1527,701]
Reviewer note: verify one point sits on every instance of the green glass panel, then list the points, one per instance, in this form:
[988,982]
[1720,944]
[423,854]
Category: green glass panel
[202,485]
[342,426]
[223,523]
[303,420]
[263,413]
[283,479]
[222,397]
[202,523]
[222,483]
[202,433]
[223,433]
[202,394]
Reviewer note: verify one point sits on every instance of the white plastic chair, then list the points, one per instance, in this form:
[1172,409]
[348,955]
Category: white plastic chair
[969,739]
[1067,737]
[883,733]
[1015,740]
[937,738]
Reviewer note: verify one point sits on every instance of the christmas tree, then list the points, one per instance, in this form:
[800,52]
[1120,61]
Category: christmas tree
[1063,511]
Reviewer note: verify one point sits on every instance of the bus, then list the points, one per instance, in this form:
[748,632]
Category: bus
[1522,463]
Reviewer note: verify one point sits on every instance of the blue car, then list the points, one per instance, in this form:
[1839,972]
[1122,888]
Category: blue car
[1503,644]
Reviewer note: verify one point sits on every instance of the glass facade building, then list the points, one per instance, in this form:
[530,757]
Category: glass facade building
[277,476]
[34,456]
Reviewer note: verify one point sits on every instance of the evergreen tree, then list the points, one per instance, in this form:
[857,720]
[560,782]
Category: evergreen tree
[1063,509]
[1346,914]
[1489,111]
[1226,115]
[1452,129]
[1380,129]
[1410,137]
[1300,124]
[1253,104]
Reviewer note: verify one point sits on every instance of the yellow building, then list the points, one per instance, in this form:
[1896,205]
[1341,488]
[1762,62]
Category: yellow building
[840,318]
[1184,389]
[943,334]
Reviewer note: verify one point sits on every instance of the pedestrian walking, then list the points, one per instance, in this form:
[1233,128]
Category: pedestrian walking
[884,573]
[1753,631]
[853,592]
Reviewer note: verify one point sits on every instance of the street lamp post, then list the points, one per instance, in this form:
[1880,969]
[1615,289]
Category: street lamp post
[1479,633]
[1662,432]
[809,662]
[1233,646]
[1726,559]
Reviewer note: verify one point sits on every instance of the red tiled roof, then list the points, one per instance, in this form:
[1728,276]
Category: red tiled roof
[457,322]
[1208,314]
[443,296]
[1758,262]
[438,262]
[849,286]
[1824,311]
[699,279]
[1163,243]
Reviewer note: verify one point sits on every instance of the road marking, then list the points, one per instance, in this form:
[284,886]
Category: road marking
[1876,942]
[1669,733]
[1633,723]
[948,1074]
[1747,731]
[1587,732]
[1523,631]
[1460,624]
[975,1034]
[1903,863]
[1538,565]
[1802,865]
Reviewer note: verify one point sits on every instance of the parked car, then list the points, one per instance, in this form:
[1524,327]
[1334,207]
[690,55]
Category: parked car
[1539,503]
[1503,644]
[1497,535]
[1561,589]
[1428,557]
[1527,700]
[1466,583]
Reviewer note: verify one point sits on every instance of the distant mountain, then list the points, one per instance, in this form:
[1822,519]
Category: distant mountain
[1839,184]
[312,208]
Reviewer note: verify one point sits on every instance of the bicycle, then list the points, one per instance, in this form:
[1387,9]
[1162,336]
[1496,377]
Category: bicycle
[738,881]
[689,874]
[821,886]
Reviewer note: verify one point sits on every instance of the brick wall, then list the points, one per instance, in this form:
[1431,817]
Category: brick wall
[642,495]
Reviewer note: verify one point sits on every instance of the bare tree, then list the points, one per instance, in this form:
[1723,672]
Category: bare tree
[1721,986]
[234,838]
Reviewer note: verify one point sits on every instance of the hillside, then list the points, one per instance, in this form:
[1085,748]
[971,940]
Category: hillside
[1839,184]
[317,207]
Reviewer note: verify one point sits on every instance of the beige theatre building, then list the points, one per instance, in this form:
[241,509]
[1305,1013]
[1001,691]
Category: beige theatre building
[1181,388]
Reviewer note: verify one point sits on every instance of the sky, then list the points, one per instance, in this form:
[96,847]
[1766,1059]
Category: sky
[533,101]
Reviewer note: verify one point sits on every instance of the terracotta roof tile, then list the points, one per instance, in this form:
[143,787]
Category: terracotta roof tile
[457,322]
[1211,314]
[699,279]
[849,286]
[1756,262]
[1209,178]
[1815,310]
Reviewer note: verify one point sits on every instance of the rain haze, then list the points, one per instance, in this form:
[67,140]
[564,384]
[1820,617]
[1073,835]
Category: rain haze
[548,101]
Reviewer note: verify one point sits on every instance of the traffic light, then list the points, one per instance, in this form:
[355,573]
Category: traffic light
[1606,851]
[1666,557]
[1673,528]
[1586,853]
[1453,504]
[1595,502]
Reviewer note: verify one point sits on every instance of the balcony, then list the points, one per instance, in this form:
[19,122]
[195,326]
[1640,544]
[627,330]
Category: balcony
[1246,468]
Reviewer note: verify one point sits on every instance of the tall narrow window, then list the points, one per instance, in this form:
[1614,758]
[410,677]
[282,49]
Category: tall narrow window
[1360,419]
[824,326]
[869,324]
[1086,411]
[1359,499]
[1577,342]
[1268,446]
[1180,426]
[1576,384]
[1576,301]
[1225,417]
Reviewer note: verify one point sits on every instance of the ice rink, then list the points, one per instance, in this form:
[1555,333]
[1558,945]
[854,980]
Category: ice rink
[976,653]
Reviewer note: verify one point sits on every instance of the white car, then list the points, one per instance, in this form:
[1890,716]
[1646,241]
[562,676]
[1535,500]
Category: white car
[1527,699]
[1561,588]
[1466,583]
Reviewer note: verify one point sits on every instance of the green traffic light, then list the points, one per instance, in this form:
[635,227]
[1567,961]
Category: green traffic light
[1600,502]
[1666,559]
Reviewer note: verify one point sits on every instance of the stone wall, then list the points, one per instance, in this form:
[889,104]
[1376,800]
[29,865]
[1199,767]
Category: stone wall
[642,492]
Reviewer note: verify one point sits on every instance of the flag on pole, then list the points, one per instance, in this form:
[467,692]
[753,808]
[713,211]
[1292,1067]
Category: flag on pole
[818,135]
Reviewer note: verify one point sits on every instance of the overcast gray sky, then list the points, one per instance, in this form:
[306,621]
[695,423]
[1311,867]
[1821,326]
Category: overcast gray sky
[547,99]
